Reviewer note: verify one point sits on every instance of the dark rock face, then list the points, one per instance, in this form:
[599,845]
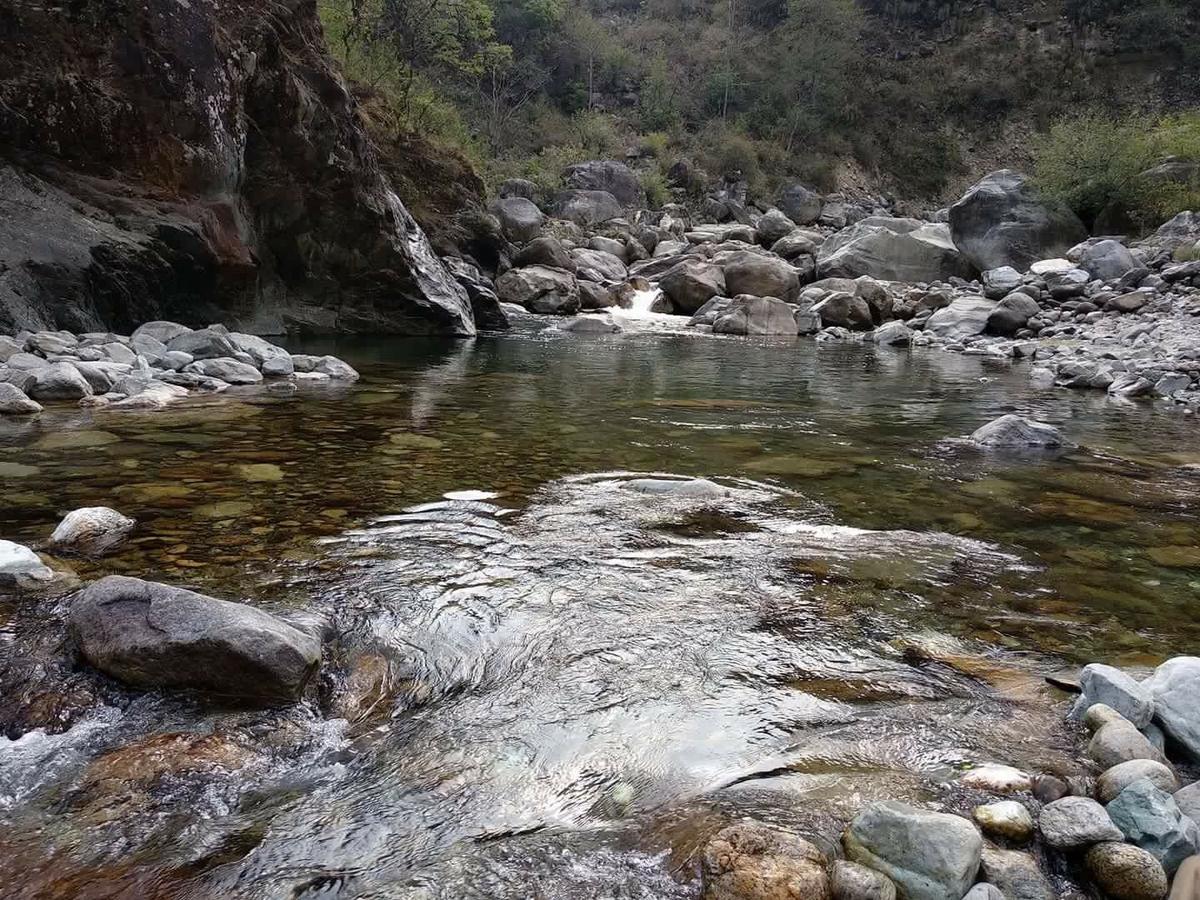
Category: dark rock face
[1003,221]
[198,163]
[605,175]
[154,635]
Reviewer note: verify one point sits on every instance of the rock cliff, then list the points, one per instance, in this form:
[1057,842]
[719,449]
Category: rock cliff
[198,161]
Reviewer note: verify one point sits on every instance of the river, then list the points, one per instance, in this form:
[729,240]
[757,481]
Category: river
[552,668]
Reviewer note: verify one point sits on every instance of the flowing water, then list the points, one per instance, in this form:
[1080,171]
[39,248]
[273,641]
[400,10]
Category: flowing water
[554,664]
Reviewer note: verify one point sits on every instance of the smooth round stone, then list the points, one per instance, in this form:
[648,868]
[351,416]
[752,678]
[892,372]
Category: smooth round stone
[1126,872]
[1120,776]
[1100,714]
[1007,819]
[260,472]
[1076,822]
[1119,742]
[851,881]
[998,779]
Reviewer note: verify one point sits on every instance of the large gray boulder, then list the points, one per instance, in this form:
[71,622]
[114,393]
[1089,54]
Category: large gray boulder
[800,204]
[15,402]
[206,343]
[1115,689]
[1175,687]
[756,315]
[540,289]
[58,381]
[597,265]
[692,283]
[773,227]
[1150,818]
[1107,260]
[964,317]
[1012,314]
[231,371]
[152,635]
[843,309]
[761,275]
[1004,221]
[1112,781]
[21,567]
[929,855]
[520,219]
[1016,874]
[888,249]
[587,208]
[546,250]
[999,283]
[608,175]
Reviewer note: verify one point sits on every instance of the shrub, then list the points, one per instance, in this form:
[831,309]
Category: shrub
[656,144]
[655,186]
[1098,165]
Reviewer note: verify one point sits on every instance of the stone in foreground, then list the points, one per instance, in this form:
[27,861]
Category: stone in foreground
[153,635]
[91,531]
[1076,822]
[752,861]
[929,855]
[1016,874]
[850,881]
[1149,818]
[1006,818]
[21,567]
[1119,777]
[1113,687]
[1016,431]
[1125,872]
[14,401]
[1175,687]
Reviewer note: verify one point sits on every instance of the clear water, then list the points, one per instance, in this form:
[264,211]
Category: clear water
[543,681]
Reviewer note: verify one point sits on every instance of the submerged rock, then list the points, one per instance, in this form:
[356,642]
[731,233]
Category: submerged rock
[752,861]
[997,778]
[929,855]
[91,531]
[1016,431]
[756,316]
[153,635]
[692,488]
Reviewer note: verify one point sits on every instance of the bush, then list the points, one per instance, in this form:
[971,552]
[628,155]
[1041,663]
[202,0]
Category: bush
[655,186]
[1098,165]
[596,132]
[656,144]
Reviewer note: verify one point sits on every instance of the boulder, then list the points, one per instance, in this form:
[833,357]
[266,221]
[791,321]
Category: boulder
[773,227]
[1006,818]
[880,248]
[965,317]
[591,325]
[1125,872]
[258,349]
[336,369]
[1016,874]
[1119,742]
[800,204]
[607,175]
[15,402]
[1128,302]
[207,343]
[798,243]
[587,208]
[597,265]
[1116,690]
[540,289]
[842,309]
[611,245]
[1004,221]
[58,381]
[22,568]
[984,891]
[1175,687]
[51,343]
[850,881]
[1012,314]
[1076,822]
[999,283]
[1150,819]
[91,531]
[520,219]
[711,311]
[152,635]
[1016,431]
[546,250]
[228,370]
[517,187]
[1112,781]
[1107,260]
[760,275]
[163,332]
[596,296]
[756,315]
[929,855]
[751,861]
[692,283]
[892,334]
[997,779]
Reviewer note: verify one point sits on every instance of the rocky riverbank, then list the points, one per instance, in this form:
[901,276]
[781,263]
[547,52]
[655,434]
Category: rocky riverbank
[160,363]
[1002,273]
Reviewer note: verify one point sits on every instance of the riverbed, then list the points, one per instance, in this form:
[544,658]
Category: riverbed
[553,668]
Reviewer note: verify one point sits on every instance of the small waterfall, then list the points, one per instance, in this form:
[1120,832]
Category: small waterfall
[640,305]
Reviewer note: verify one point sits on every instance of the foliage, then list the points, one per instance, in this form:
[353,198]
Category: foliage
[1097,165]
[655,185]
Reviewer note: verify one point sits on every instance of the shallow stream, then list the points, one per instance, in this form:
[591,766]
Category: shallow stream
[551,671]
